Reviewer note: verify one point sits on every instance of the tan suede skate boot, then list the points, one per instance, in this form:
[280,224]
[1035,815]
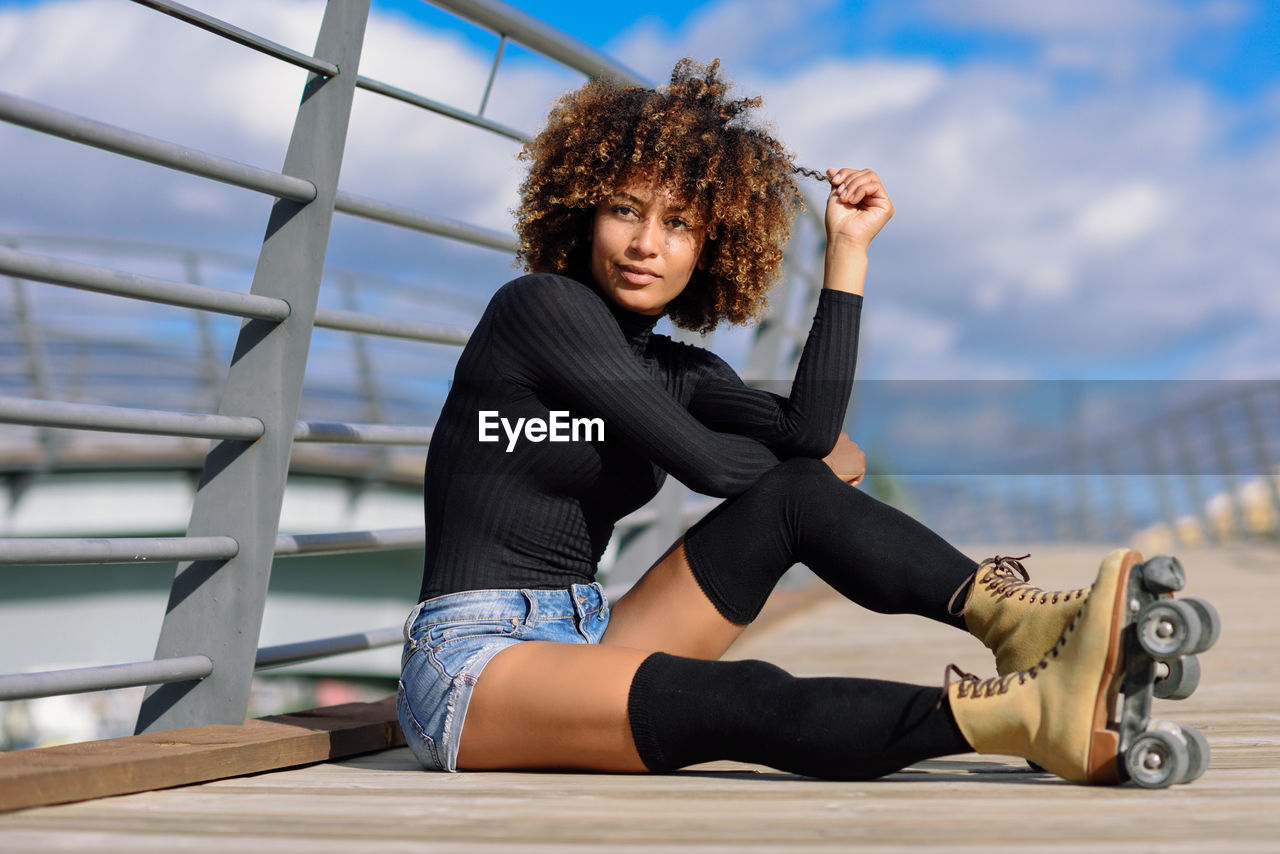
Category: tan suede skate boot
[1016,621]
[1056,713]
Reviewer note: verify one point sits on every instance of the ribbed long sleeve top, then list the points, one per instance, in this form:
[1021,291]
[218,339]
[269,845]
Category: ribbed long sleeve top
[523,512]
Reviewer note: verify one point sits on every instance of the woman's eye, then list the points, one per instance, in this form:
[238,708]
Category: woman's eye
[679,224]
[623,210]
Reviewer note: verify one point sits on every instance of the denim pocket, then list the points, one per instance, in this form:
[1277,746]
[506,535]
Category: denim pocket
[453,645]
[439,634]
[592,626]
[421,745]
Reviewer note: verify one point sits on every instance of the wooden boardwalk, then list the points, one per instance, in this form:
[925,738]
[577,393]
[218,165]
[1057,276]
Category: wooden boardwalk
[381,803]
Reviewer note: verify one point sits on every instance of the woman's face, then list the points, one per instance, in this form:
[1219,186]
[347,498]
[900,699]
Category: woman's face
[645,245]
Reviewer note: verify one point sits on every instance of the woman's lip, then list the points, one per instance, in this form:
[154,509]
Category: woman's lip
[637,275]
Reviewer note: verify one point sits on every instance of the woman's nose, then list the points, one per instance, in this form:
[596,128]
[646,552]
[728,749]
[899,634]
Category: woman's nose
[645,237]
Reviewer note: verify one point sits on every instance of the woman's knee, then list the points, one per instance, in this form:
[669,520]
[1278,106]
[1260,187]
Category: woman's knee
[796,482]
[801,469]
[796,476]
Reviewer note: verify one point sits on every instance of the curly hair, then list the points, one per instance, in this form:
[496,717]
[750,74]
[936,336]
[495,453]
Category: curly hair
[698,143]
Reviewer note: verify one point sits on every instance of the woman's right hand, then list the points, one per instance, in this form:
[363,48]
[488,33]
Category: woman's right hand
[847,460]
[857,207]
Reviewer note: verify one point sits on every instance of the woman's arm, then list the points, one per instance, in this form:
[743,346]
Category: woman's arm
[808,422]
[557,336]
[857,208]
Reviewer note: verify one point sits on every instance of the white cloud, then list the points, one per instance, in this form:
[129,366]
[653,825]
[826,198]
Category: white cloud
[1122,215]
[1061,234]
[740,33]
[1088,17]
[147,72]
[1117,38]
[1039,232]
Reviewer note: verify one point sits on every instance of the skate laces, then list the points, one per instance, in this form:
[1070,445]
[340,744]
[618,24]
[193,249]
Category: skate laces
[970,685]
[1006,577]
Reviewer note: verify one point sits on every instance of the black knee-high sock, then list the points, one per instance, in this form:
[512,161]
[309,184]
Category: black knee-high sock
[684,711]
[800,512]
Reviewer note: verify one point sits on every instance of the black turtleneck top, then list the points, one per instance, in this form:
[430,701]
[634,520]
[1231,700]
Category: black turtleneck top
[538,514]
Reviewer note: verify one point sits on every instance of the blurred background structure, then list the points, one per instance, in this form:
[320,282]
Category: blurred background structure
[1069,332]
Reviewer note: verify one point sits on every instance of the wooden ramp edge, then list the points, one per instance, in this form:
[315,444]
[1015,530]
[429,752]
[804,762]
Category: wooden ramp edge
[139,763]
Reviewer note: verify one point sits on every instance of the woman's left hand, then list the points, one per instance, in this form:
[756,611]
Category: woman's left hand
[857,208]
[847,460]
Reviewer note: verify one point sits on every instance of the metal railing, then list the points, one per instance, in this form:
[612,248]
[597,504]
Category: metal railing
[1159,464]
[207,650]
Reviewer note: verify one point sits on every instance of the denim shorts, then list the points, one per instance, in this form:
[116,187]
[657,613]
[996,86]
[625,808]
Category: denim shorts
[449,640]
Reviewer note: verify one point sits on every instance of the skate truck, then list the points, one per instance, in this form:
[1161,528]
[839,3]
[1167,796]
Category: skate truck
[1161,639]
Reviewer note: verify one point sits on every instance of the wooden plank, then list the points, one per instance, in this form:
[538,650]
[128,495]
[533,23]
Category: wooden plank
[994,805]
[73,772]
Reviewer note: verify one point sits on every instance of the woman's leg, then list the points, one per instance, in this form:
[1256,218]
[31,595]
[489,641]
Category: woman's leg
[552,705]
[697,599]
[578,706]
[643,699]
[800,512]
[667,611]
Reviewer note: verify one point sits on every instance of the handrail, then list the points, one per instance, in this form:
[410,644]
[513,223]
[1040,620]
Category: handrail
[350,321]
[53,551]
[373,209]
[87,277]
[120,419]
[48,683]
[17,551]
[347,433]
[239,36]
[139,146]
[204,256]
[425,103]
[293,653]
[535,35]
[341,542]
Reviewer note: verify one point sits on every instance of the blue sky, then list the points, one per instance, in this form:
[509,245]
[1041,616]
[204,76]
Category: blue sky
[1086,189]
[1239,59]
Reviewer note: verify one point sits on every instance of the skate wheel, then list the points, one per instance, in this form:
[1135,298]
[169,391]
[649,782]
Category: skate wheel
[1180,680]
[1157,759]
[1163,574]
[1210,624]
[1168,628]
[1198,754]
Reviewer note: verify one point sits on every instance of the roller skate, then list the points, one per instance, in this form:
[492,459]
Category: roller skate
[1162,638]
[1065,713]
[1015,620]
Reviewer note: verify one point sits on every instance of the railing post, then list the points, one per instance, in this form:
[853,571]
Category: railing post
[215,607]
[210,370]
[41,380]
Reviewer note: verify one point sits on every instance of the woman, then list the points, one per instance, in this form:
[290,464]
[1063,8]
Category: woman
[639,204]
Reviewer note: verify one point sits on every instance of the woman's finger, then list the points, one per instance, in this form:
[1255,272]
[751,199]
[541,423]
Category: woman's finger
[860,189]
[851,186]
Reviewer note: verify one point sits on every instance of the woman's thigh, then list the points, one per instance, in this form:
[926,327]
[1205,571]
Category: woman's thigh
[553,705]
[667,611]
